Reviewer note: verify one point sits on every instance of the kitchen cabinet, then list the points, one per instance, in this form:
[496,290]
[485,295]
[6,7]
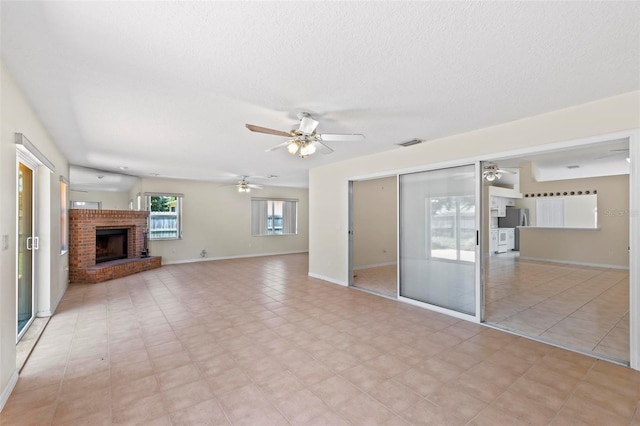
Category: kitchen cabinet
[511,238]
[494,203]
[493,241]
[499,205]
[502,207]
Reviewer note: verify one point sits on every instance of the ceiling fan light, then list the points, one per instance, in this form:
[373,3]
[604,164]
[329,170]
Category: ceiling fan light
[490,176]
[307,149]
[293,147]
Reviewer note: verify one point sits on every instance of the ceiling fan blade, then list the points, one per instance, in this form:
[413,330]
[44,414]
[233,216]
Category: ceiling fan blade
[280,145]
[324,149]
[335,137]
[509,172]
[261,129]
[308,125]
[255,186]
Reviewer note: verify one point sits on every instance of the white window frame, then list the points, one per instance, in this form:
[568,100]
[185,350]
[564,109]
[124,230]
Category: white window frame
[263,208]
[175,211]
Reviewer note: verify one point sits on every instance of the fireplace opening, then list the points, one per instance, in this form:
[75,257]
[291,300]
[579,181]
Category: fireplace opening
[111,244]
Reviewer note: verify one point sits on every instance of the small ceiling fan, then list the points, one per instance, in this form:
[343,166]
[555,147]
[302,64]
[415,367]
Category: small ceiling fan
[243,184]
[491,172]
[304,140]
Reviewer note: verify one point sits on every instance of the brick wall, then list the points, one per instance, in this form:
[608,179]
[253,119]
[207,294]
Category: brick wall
[82,238]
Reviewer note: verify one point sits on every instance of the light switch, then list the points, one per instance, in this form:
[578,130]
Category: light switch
[5,242]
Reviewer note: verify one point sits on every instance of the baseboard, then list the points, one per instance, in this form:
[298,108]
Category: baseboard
[375,265]
[569,262]
[6,392]
[242,256]
[331,280]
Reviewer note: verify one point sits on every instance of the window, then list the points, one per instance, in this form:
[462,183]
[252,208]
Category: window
[274,217]
[165,211]
[453,227]
[64,211]
[87,205]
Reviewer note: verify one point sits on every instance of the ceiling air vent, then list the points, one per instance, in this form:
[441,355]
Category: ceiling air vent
[575,166]
[411,142]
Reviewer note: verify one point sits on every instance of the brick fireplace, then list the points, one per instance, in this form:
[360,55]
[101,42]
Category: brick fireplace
[85,225]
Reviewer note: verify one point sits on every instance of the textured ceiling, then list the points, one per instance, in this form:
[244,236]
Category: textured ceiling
[166,87]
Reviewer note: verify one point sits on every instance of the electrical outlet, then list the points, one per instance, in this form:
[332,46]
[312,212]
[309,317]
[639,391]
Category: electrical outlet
[5,242]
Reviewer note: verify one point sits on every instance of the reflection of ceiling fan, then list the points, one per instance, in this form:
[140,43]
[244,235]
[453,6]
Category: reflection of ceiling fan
[491,172]
[304,140]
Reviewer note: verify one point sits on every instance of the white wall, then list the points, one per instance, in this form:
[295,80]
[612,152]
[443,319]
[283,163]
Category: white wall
[328,190]
[217,218]
[17,117]
[110,200]
[606,246]
[375,222]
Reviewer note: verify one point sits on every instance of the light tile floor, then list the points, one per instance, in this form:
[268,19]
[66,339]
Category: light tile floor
[585,308]
[258,342]
[379,279]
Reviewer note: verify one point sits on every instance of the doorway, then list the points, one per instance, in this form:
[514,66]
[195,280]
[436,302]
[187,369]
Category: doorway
[567,281]
[27,245]
[373,235]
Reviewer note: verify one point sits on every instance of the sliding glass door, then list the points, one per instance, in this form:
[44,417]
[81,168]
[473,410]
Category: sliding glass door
[27,243]
[439,238]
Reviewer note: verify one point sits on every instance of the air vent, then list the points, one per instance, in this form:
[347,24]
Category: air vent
[411,142]
[575,166]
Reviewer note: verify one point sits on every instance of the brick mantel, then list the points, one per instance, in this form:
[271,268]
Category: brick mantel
[82,240]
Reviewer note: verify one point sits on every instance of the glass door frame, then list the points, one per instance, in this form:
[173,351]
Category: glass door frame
[478,285]
[33,166]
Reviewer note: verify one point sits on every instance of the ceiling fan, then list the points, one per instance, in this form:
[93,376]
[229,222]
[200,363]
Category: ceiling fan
[243,185]
[491,172]
[304,140]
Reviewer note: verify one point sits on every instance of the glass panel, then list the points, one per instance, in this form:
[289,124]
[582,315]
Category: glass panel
[453,227]
[438,238]
[274,220]
[25,255]
[164,217]
[64,235]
